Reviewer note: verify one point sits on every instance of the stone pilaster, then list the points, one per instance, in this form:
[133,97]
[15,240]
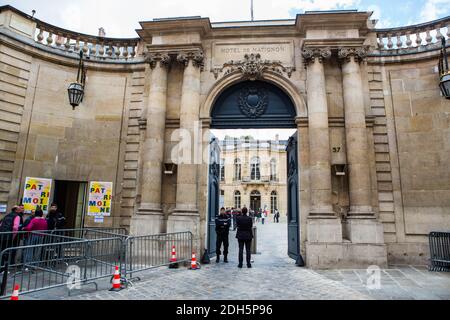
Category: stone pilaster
[185,216]
[323,225]
[361,225]
[149,217]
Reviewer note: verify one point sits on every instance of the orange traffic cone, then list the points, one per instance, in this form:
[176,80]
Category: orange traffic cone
[15,295]
[116,286]
[194,264]
[173,259]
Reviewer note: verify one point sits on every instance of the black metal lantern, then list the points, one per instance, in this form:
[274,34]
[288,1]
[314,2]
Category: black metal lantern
[444,71]
[76,89]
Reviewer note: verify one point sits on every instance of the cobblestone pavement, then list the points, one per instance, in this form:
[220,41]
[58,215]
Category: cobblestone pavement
[273,276]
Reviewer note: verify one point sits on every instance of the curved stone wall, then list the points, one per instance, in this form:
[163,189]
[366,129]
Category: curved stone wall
[108,137]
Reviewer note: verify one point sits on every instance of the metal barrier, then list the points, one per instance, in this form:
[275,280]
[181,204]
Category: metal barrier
[80,256]
[69,263]
[153,251]
[439,251]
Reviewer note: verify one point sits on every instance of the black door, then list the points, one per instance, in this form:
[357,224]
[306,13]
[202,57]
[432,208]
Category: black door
[293,201]
[213,198]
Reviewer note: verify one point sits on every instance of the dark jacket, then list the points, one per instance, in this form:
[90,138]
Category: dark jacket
[6,225]
[244,228]
[55,220]
[223,224]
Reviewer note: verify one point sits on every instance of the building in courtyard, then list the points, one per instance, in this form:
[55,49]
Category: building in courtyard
[367,173]
[253,174]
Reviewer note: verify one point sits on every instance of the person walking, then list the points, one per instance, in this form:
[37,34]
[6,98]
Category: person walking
[222,230]
[234,215]
[37,224]
[277,215]
[263,216]
[245,236]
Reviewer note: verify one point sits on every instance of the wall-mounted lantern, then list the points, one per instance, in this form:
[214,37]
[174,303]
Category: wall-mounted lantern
[76,89]
[444,71]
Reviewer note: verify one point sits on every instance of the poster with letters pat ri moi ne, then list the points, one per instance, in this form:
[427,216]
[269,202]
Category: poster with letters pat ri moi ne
[36,193]
[100,196]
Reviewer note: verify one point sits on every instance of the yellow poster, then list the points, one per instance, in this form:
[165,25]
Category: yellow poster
[36,193]
[100,196]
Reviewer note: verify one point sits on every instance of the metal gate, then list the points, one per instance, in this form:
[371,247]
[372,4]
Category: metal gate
[293,201]
[213,199]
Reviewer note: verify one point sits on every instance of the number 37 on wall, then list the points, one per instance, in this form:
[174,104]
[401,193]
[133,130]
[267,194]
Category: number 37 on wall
[336,149]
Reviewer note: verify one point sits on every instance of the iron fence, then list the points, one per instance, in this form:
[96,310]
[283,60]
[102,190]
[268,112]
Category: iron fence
[154,251]
[80,256]
[439,251]
[51,265]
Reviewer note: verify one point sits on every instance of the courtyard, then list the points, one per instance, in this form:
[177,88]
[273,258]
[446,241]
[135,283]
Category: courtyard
[274,276]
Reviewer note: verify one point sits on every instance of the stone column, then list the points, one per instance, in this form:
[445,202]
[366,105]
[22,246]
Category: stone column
[323,225]
[319,137]
[356,133]
[149,216]
[185,216]
[361,225]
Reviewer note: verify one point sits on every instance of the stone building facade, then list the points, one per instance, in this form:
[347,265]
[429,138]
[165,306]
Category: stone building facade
[373,129]
[253,174]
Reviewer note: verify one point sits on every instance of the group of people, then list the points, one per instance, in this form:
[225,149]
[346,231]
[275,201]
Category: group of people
[15,222]
[244,225]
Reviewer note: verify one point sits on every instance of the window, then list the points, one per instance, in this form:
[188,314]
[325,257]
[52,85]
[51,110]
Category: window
[237,169]
[222,170]
[273,202]
[273,170]
[255,169]
[237,199]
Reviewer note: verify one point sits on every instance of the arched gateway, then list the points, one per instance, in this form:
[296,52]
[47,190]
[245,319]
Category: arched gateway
[255,105]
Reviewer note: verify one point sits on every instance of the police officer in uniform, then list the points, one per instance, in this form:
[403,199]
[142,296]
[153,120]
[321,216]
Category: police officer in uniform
[223,222]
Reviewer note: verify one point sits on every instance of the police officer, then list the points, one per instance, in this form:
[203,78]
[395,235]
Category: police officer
[222,230]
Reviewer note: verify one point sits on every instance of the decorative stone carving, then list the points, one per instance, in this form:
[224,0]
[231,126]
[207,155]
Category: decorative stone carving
[359,54]
[253,67]
[197,57]
[163,58]
[253,101]
[310,54]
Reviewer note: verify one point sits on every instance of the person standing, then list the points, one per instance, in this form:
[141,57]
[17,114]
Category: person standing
[37,224]
[55,219]
[277,215]
[245,236]
[222,230]
[11,223]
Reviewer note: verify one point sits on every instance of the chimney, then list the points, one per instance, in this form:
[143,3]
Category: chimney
[101,32]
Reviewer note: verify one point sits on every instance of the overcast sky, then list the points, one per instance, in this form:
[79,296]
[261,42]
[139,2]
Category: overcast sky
[120,18]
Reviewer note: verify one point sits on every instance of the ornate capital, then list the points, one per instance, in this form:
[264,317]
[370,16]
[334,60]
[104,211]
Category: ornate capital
[197,57]
[310,54]
[253,67]
[162,58]
[359,54]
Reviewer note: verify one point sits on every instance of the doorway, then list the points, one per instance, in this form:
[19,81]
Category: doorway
[261,106]
[255,201]
[70,196]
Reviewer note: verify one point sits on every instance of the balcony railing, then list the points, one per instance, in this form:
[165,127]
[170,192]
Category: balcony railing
[93,47]
[421,37]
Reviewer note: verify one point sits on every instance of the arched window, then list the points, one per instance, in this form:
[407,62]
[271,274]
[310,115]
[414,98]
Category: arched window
[255,169]
[222,170]
[273,201]
[237,199]
[273,170]
[237,169]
